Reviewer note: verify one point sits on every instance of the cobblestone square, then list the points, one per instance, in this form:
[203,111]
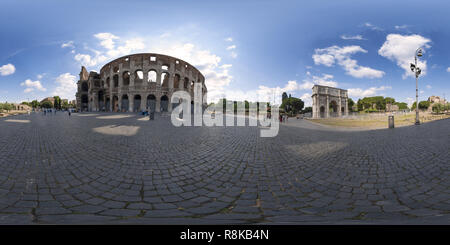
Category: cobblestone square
[110,168]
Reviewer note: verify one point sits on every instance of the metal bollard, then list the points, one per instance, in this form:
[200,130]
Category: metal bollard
[391,121]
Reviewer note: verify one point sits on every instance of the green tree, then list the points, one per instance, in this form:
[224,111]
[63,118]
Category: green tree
[437,107]
[57,102]
[350,104]
[47,104]
[401,105]
[34,104]
[423,105]
[307,109]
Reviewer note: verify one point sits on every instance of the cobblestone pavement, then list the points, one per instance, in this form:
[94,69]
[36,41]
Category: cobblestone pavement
[98,168]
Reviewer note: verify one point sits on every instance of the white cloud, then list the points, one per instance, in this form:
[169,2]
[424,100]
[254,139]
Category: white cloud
[341,55]
[231,47]
[401,27]
[324,80]
[229,39]
[233,55]
[306,97]
[107,39]
[66,86]
[372,26]
[402,48]
[410,101]
[68,44]
[356,37]
[7,69]
[448,69]
[32,86]
[359,93]
[428,86]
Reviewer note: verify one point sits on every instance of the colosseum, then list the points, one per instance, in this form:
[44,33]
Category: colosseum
[137,82]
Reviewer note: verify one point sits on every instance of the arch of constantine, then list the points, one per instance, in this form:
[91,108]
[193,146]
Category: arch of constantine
[137,82]
[329,102]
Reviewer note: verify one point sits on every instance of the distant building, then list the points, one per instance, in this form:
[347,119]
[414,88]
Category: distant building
[51,99]
[391,107]
[435,100]
[21,107]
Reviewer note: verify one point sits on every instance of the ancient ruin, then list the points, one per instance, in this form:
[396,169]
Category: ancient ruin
[137,82]
[329,102]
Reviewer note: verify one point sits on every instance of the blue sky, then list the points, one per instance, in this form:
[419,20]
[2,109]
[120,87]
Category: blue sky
[246,49]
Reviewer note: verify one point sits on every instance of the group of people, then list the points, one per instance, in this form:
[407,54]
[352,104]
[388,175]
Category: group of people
[49,111]
[283,118]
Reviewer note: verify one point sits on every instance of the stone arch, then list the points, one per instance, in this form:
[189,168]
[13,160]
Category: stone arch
[165,80]
[176,81]
[115,105]
[152,76]
[84,102]
[107,104]
[107,82]
[151,102]
[84,87]
[101,102]
[126,78]
[138,76]
[137,103]
[116,81]
[322,111]
[333,108]
[125,103]
[186,83]
[164,103]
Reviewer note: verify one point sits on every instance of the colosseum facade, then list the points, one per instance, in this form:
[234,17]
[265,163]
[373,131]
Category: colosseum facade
[137,82]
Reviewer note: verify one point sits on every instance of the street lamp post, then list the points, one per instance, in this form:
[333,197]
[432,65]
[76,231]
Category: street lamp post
[416,70]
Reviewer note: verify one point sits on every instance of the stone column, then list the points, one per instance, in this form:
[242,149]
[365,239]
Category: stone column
[120,102]
[143,102]
[171,77]
[120,74]
[340,107]
[130,102]
[111,85]
[346,107]
[96,102]
[169,106]
[327,107]
[158,78]
[145,77]
[158,103]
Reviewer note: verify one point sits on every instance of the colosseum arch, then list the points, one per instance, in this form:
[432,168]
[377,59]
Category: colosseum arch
[138,77]
[84,87]
[126,78]
[116,81]
[165,79]
[161,76]
[151,102]
[164,103]
[176,81]
[152,76]
[137,103]
[186,83]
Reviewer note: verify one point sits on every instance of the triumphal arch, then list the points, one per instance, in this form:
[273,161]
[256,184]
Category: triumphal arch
[329,102]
